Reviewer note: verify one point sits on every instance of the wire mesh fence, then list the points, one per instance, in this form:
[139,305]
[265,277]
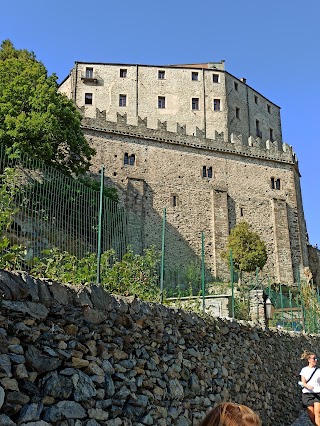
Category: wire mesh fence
[53,210]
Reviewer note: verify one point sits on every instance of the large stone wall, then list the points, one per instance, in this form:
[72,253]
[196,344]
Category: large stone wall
[171,165]
[79,356]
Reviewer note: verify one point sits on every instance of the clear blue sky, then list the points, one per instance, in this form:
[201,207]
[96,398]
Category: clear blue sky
[275,44]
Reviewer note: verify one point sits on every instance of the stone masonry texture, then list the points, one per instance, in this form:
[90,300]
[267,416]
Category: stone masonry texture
[210,167]
[78,356]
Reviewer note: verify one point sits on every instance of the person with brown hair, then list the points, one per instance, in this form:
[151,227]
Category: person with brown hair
[231,414]
[310,382]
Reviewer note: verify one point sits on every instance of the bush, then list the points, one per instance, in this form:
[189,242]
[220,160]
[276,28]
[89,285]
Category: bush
[133,275]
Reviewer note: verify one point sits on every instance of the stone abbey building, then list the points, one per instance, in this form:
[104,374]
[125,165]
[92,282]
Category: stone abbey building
[201,143]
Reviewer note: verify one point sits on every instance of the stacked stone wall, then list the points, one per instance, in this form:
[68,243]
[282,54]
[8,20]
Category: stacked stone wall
[79,356]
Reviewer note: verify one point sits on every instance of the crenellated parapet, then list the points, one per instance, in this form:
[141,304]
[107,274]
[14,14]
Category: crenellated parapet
[236,143]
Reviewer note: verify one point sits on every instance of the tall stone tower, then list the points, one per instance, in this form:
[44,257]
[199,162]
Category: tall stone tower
[201,143]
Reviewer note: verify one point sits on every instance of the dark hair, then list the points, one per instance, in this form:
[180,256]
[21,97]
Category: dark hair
[230,414]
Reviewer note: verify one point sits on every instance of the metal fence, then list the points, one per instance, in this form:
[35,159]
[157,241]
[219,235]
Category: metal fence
[59,211]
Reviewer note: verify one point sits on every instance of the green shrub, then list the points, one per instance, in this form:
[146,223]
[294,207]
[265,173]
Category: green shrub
[133,275]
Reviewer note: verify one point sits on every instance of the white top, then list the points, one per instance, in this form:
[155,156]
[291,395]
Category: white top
[315,381]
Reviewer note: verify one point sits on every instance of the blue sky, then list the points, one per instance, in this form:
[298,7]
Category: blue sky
[274,44]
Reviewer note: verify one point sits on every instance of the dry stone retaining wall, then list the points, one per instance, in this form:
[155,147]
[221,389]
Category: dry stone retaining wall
[71,356]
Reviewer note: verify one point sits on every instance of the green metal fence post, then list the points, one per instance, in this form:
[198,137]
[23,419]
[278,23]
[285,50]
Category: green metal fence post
[281,303]
[162,254]
[232,284]
[302,303]
[202,273]
[290,302]
[100,226]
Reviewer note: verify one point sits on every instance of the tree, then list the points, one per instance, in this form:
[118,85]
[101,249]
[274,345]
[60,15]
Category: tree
[248,250]
[35,118]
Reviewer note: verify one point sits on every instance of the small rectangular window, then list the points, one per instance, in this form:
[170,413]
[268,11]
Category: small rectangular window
[123,73]
[209,172]
[126,158]
[272,183]
[256,99]
[204,171]
[269,108]
[195,103]
[89,72]
[195,76]
[122,100]
[88,98]
[215,78]
[132,160]
[237,112]
[161,102]
[258,131]
[161,75]
[271,135]
[174,201]
[236,86]
[216,105]
[275,183]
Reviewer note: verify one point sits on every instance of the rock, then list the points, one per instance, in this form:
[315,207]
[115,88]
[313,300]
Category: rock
[98,414]
[79,362]
[5,366]
[100,299]
[64,410]
[21,372]
[107,367]
[32,286]
[61,294]
[4,344]
[30,413]
[57,386]
[109,385]
[16,397]
[83,387]
[176,389]
[12,286]
[2,395]
[6,421]
[9,384]
[44,293]
[39,362]
[16,349]
[35,310]
[92,422]
[94,316]
[94,369]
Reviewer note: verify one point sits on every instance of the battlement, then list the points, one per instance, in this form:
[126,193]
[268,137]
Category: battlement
[251,147]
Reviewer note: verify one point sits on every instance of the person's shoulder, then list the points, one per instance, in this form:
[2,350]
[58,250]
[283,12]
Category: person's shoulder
[304,370]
